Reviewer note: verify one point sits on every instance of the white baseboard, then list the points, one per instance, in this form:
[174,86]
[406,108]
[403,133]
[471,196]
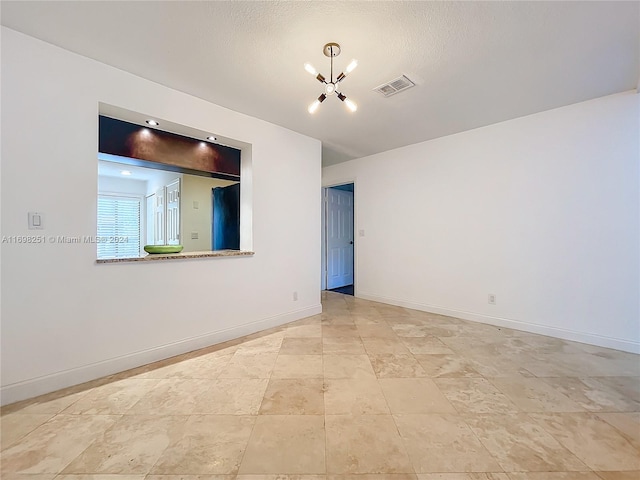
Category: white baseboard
[565,334]
[55,381]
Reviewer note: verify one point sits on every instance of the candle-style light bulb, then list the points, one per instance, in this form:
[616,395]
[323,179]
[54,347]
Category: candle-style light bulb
[350,105]
[309,68]
[314,106]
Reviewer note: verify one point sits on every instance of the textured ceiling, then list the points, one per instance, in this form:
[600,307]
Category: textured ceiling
[474,63]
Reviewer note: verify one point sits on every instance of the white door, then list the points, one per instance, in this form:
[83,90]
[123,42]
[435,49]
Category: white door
[159,217]
[150,206]
[339,238]
[173,212]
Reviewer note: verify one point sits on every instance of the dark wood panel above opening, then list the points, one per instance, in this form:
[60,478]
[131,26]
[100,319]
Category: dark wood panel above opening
[172,151]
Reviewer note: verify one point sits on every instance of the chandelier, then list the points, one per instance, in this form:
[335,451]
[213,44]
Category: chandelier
[331,50]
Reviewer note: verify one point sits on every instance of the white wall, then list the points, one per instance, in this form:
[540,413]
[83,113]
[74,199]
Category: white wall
[542,211]
[66,319]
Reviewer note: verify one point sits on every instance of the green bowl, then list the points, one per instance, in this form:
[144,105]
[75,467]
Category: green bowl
[163,248]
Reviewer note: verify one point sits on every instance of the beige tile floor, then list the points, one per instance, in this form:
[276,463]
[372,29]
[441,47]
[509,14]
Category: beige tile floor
[365,391]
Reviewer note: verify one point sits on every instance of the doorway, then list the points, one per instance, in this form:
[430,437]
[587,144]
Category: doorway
[225,225]
[338,239]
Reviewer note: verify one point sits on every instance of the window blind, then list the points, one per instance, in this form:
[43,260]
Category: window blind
[118,227]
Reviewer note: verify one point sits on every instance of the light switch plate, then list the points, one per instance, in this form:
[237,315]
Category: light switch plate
[35,221]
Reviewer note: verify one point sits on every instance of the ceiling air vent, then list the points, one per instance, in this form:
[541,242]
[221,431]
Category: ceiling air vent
[394,86]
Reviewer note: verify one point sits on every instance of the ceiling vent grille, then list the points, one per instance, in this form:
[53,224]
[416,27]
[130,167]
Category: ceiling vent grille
[396,85]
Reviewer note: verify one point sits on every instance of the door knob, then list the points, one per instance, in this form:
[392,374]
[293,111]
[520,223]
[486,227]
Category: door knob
[351,242]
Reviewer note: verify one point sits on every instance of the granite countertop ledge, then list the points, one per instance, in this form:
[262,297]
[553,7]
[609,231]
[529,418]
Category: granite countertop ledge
[178,256]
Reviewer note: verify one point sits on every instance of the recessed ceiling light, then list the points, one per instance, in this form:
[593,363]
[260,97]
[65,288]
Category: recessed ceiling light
[211,138]
[125,172]
[153,123]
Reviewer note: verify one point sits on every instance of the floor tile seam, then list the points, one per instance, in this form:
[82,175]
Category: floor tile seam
[112,413]
[129,409]
[404,443]
[114,476]
[508,472]
[195,413]
[557,440]
[622,434]
[583,409]
[184,378]
[89,445]
[264,393]
[486,448]
[384,395]
[449,402]
[22,437]
[507,396]
[280,414]
[550,377]
[597,473]
[81,394]
[622,412]
[597,377]
[361,414]
[587,469]
[199,474]
[324,425]
[246,446]
[444,394]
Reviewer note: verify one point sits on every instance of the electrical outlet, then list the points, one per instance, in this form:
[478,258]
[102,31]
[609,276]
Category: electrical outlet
[295,296]
[492,299]
[194,235]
